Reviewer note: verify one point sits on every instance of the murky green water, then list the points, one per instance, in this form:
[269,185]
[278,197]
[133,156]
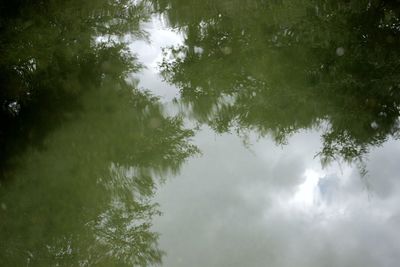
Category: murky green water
[200,133]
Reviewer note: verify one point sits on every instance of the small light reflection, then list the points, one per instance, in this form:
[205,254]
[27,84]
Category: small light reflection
[307,193]
[320,193]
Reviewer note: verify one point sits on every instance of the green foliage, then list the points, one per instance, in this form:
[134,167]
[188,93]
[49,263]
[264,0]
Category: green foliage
[50,55]
[86,196]
[85,150]
[291,65]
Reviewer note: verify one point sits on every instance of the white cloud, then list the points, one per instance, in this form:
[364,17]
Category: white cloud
[234,207]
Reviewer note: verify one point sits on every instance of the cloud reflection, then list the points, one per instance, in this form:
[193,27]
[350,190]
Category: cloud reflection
[236,207]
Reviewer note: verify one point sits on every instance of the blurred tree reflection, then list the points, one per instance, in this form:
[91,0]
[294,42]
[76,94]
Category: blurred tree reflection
[50,56]
[85,198]
[281,66]
[80,194]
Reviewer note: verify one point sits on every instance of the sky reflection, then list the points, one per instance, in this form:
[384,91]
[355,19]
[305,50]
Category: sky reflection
[277,206]
[259,204]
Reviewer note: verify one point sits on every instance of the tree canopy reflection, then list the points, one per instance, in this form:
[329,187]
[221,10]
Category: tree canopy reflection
[280,66]
[50,56]
[85,198]
[79,190]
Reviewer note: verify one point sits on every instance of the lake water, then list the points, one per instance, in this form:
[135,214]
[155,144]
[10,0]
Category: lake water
[200,133]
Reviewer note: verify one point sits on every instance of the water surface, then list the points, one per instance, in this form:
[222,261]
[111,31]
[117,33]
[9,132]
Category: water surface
[200,133]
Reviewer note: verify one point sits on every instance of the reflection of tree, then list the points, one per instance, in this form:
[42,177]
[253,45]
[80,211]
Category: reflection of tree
[85,197]
[49,57]
[123,231]
[82,193]
[290,65]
